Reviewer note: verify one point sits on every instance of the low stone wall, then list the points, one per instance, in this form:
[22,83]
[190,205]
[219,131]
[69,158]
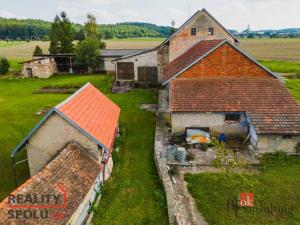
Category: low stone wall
[161,164]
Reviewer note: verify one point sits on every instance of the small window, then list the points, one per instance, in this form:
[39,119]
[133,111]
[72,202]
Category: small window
[211,31]
[193,31]
[287,137]
[232,117]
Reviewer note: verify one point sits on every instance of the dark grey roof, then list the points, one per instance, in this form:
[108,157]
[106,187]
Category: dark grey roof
[118,52]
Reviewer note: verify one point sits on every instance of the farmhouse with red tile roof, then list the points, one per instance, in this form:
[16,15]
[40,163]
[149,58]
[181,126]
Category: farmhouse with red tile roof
[213,84]
[69,154]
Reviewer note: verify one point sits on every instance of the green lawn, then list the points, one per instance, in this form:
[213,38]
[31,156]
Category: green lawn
[134,194]
[294,87]
[276,194]
[282,66]
[14,64]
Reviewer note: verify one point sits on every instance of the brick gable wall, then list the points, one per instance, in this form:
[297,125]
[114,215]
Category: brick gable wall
[225,61]
[183,40]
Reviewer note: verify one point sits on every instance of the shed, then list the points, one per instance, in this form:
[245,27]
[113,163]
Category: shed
[73,177]
[107,57]
[41,67]
[140,67]
[87,117]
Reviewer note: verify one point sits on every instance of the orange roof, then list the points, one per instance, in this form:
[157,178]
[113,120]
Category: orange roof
[92,112]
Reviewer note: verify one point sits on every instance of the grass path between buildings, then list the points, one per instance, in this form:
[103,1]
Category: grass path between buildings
[134,194]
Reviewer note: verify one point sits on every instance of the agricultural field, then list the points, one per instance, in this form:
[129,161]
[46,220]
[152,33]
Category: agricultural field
[282,49]
[23,50]
[262,49]
[134,194]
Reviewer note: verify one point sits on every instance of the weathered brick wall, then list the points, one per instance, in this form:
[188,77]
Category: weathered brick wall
[184,40]
[162,60]
[225,61]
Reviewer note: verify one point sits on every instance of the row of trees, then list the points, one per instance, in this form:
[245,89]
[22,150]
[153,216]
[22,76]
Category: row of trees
[62,41]
[32,29]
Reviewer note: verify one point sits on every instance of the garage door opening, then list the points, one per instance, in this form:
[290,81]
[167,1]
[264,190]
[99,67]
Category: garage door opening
[125,70]
[147,74]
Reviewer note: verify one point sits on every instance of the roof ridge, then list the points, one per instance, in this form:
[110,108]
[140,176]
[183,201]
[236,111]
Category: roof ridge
[73,95]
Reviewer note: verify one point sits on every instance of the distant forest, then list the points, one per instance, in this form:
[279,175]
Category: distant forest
[32,29]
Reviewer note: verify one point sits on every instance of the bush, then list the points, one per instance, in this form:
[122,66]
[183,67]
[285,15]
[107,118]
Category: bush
[37,51]
[4,66]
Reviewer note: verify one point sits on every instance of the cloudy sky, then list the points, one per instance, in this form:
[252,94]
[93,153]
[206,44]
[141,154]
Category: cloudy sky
[233,14]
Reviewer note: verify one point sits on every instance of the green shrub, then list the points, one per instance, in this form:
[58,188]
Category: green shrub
[4,65]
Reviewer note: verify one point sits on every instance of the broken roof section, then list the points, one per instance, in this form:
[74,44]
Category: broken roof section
[89,111]
[198,52]
[70,176]
[267,102]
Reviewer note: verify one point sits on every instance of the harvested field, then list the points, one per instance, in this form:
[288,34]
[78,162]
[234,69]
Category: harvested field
[262,49]
[283,49]
[23,50]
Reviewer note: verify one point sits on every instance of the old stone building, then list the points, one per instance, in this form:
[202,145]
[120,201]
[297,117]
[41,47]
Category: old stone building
[39,67]
[213,85]
[201,26]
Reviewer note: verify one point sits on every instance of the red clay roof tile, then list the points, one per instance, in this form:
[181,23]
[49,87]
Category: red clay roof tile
[268,103]
[73,170]
[93,112]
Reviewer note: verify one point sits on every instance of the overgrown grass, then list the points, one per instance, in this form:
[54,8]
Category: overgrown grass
[282,66]
[276,194]
[134,194]
[14,64]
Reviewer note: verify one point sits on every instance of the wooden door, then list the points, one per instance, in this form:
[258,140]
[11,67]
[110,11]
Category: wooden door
[147,74]
[125,70]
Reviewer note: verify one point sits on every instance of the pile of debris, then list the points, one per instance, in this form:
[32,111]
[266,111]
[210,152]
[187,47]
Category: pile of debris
[122,86]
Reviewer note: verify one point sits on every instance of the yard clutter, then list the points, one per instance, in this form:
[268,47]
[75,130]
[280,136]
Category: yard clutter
[194,136]
[178,153]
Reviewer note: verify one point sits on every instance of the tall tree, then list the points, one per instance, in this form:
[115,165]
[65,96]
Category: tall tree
[66,36]
[87,55]
[91,28]
[61,36]
[54,36]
